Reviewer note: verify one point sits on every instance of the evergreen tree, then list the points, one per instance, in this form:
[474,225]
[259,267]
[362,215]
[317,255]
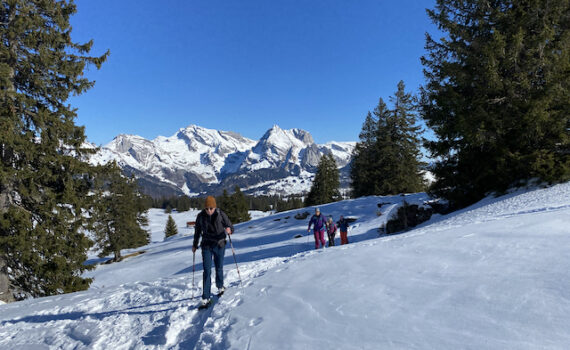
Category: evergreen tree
[398,147]
[171,228]
[362,170]
[240,207]
[497,95]
[119,214]
[235,206]
[44,180]
[183,204]
[325,187]
[225,203]
[386,160]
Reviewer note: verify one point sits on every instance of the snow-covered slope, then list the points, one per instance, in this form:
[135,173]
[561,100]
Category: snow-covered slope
[196,159]
[493,276]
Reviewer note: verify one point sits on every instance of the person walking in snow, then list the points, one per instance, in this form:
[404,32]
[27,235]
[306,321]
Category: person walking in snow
[343,228]
[331,231]
[319,223]
[212,224]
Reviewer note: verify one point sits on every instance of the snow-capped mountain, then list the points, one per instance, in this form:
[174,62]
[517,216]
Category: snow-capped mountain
[196,160]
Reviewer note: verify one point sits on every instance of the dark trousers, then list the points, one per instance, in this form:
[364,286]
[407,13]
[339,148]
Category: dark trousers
[208,253]
[331,238]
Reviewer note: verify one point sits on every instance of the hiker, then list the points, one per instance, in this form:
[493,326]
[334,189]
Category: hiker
[331,231]
[343,228]
[319,223]
[212,224]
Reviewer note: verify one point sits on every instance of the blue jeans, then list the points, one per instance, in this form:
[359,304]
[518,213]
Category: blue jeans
[217,253]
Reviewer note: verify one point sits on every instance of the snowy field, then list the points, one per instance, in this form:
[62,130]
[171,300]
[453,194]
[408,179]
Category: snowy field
[493,276]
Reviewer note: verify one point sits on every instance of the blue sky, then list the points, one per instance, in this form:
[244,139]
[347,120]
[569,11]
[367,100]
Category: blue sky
[245,65]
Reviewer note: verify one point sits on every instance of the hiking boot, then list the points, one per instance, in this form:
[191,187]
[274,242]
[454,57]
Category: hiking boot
[221,291]
[204,304]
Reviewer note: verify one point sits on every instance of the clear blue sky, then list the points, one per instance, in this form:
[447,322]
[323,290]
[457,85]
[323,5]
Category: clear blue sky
[245,65]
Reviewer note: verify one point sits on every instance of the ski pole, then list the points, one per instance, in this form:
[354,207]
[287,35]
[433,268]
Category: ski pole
[193,270]
[235,260]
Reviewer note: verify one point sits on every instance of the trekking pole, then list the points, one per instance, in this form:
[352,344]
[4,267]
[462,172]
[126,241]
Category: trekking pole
[235,260]
[193,270]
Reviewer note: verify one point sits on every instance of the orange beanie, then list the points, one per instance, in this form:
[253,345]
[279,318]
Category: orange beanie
[210,202]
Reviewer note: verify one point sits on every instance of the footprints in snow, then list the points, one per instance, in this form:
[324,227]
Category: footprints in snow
[255,322]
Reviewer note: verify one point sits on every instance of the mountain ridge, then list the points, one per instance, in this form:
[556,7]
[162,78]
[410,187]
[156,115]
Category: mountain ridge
[197,161]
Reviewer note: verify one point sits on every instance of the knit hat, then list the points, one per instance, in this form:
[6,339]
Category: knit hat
[317,210]
[210,202]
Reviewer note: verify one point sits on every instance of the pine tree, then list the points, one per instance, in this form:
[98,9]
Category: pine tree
[386,160]
[240,206]
[235,206]
[398,147]
[44,180]
[325,187]
[183,204]
[362,172]
[170,229]
[120,213]
[497,95]
[225,203]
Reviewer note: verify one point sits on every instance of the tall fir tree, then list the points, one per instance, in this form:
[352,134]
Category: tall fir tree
[44,180]
[235,205]
[387,157]
[497,95]
[225,203]
[241,207]
[398,147]
[170,229]
[325,187]
[362,171]
[120,213]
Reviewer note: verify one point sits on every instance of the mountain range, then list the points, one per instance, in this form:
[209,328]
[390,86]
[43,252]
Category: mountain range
[196,161]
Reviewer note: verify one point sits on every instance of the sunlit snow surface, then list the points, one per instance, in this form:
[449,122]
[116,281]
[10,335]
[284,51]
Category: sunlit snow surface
[493,276]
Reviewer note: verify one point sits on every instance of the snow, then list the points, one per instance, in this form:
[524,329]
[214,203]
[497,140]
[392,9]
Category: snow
[212,155]
[492,276]
[286,186]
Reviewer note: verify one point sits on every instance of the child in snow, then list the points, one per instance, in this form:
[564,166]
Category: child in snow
[331,231]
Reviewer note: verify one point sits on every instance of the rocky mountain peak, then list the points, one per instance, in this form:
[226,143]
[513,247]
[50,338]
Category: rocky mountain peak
[197,160]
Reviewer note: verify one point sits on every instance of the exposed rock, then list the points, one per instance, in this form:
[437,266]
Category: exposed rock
[408,216]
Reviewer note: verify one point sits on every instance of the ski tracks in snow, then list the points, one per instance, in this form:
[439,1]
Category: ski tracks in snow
[150,315]
[211,324]
[185,327]
[182,325]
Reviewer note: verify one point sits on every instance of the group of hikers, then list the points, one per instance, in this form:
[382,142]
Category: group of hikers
[213,226]
[321,224]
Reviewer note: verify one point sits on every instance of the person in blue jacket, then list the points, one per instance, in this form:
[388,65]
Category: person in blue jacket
[319,223]
[343,228]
